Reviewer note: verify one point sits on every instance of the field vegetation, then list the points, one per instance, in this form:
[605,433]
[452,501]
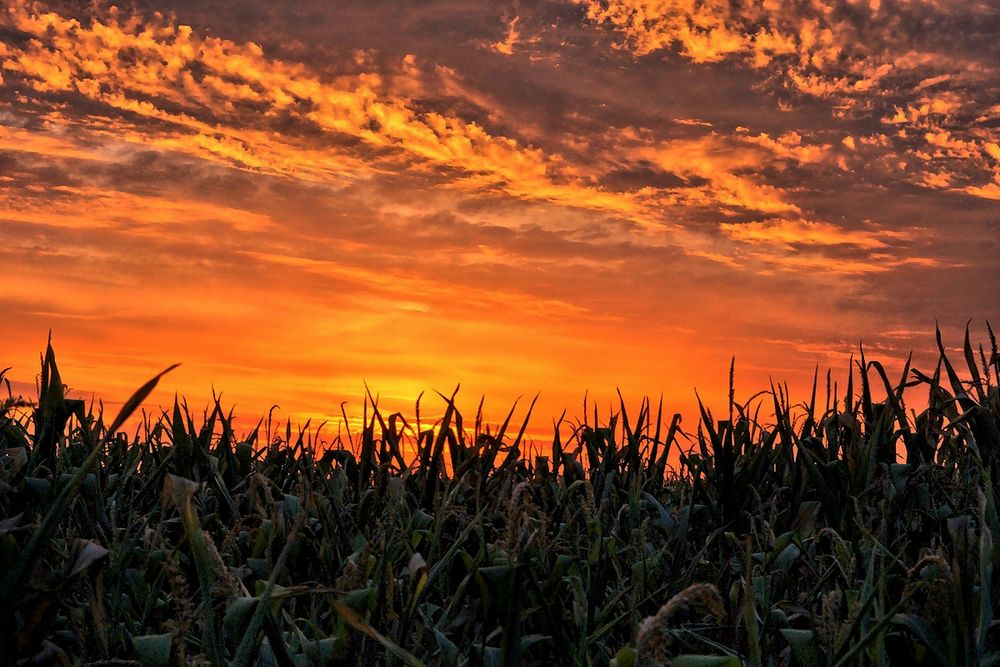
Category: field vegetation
[844,529]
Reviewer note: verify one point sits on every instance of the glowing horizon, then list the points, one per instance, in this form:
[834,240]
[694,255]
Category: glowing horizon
[556,197]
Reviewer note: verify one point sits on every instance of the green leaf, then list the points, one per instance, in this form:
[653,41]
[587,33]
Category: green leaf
[89,554]
[626,657]
[153,650]
[323,651]
[449,651]
[361,600]
[38,486]
[916,625]
[805,521]
[803,644]
[259,566]
[237,613]
[364,628]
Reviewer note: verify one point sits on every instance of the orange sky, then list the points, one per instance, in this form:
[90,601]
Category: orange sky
[561,196]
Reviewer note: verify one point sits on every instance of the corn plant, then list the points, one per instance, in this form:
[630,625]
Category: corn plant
[841,530]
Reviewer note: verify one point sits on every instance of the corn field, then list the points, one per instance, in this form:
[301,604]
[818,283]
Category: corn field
[845,529]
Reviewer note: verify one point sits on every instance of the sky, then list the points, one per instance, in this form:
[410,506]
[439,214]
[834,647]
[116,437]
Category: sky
[560,196]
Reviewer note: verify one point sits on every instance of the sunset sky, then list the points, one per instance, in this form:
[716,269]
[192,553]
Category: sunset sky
[295,198]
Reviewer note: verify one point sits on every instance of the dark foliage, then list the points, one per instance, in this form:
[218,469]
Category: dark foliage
[843,532]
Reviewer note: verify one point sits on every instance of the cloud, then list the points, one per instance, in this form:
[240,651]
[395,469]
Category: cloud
[506,45]
[858,57]
[718,171]
[804,232]
[139,215]
[218,98]
[797,245]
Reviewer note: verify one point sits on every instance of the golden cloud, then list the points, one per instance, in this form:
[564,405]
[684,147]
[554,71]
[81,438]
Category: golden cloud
[855,56]
[793,232]
[200,88]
